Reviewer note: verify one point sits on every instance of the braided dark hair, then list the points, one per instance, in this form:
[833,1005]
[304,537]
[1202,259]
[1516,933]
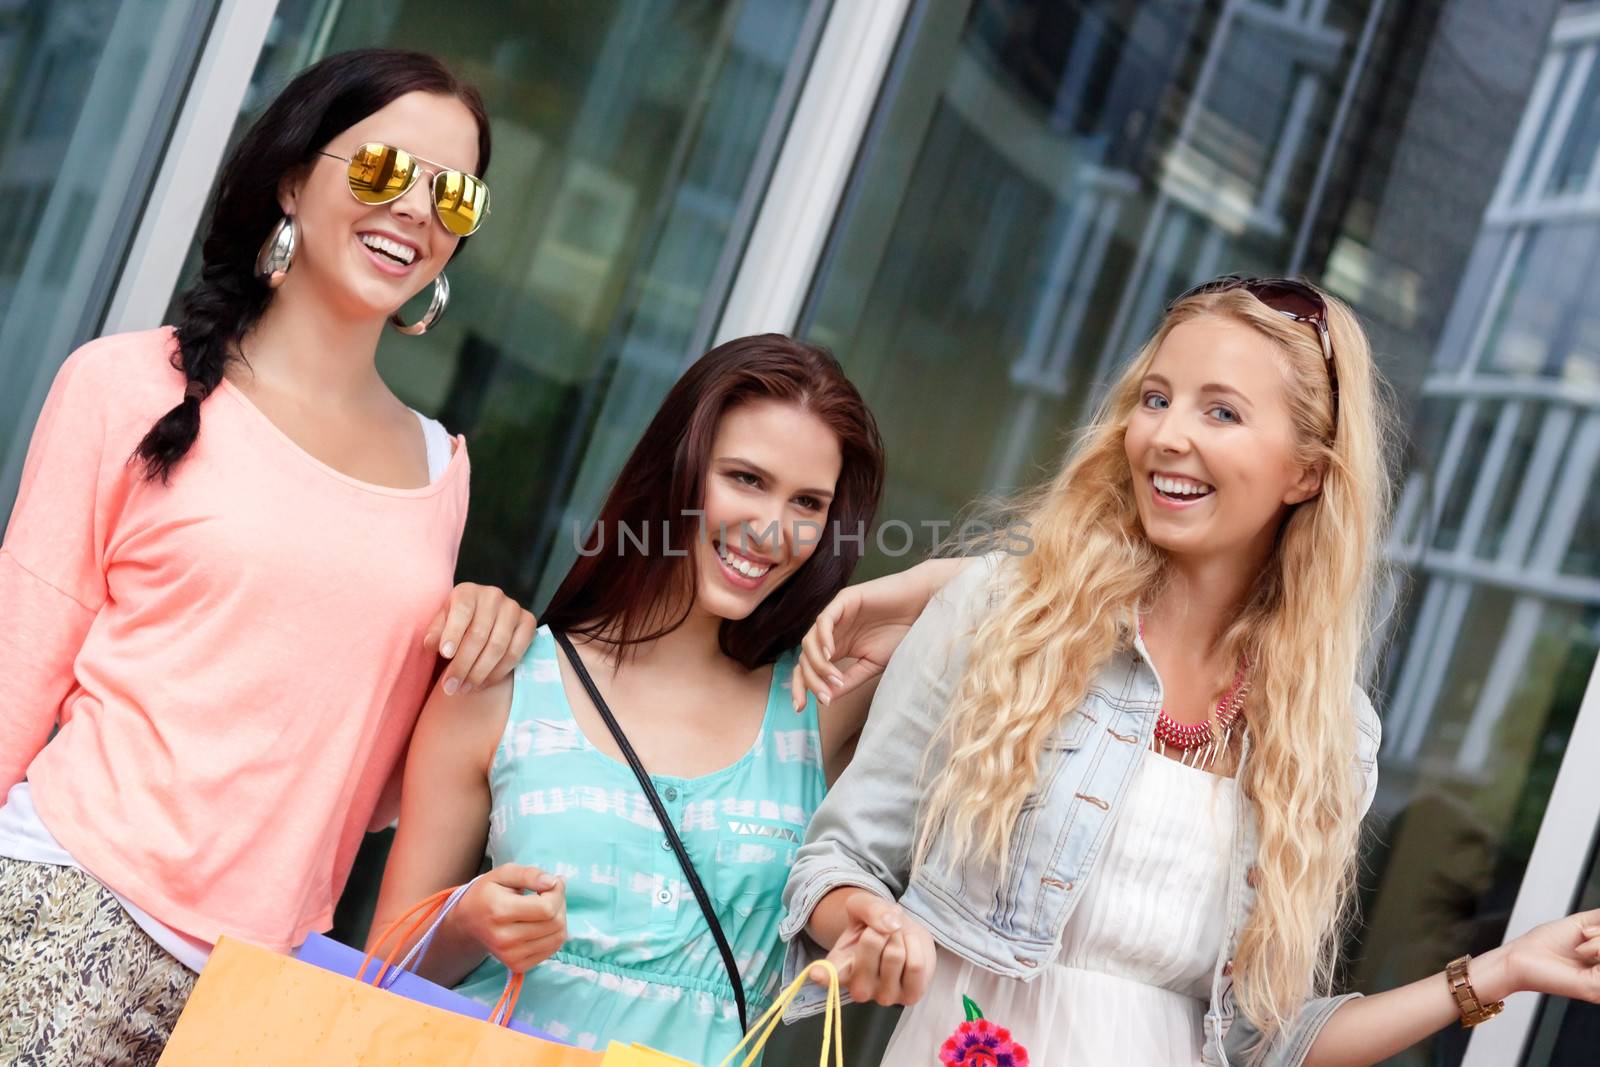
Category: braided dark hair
[219,309]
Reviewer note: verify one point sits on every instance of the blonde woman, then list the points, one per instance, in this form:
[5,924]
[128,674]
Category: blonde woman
[1115,782]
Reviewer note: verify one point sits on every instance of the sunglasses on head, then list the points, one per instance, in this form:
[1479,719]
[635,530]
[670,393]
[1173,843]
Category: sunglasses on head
[381,174]
[1299,301]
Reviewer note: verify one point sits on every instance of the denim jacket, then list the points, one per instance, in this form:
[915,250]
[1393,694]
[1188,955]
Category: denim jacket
[863,833]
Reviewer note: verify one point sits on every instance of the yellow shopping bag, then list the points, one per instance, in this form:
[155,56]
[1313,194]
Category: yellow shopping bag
[619,1055]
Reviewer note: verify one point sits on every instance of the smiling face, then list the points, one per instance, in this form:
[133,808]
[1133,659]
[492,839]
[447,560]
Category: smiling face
[368,260]
[1211,442]
[773,472]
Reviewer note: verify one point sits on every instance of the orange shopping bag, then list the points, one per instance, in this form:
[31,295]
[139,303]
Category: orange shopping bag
[255,1008]
[619,1055]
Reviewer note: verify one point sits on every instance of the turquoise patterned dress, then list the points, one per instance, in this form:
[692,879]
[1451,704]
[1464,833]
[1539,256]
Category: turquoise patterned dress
[640,963]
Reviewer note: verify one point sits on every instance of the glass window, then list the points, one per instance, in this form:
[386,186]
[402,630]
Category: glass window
[1583,556]
[1042,177]
[1560,66]
[1574,164]
[88,94]
[1548,323]
[1510,488]
[1481,421]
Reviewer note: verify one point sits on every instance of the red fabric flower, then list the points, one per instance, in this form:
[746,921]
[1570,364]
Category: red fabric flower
[980,1043]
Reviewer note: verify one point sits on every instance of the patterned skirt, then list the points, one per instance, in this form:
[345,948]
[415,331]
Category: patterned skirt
[80,983]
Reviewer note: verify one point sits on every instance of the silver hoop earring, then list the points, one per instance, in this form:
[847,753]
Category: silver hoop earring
[277,253]
[435,312]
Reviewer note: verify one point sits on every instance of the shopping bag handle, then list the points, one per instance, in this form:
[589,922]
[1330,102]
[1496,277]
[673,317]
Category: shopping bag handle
[832,1020]
[428,908]
[430,911]
[420,949]
[387,976]
[500,1014]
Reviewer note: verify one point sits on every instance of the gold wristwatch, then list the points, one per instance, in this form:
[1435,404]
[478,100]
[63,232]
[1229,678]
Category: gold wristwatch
[1473,1011]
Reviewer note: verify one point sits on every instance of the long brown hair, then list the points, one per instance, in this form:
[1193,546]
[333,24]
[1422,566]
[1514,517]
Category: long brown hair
[626,595]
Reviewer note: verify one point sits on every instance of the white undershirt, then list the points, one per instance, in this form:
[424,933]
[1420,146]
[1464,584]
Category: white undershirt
[24,836]
[437,438]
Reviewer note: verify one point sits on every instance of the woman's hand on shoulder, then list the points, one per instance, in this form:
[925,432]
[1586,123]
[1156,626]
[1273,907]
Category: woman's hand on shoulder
[517,913]
[883,954]
[852,640]
[483,633]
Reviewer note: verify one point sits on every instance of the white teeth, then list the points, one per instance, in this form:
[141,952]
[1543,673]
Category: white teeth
[404,253]
[1180,486]
[742,565]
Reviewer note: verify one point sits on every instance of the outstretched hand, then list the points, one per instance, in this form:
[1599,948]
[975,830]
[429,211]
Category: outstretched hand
[1561,958]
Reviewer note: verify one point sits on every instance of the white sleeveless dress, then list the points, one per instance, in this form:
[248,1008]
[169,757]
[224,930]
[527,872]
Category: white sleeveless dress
[1131,984]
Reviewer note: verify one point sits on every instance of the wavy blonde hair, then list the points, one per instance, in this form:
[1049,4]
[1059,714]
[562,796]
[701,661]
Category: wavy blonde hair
[1303,629]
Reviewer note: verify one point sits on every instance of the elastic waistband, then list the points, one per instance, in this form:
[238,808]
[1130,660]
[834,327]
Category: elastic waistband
[756,1001]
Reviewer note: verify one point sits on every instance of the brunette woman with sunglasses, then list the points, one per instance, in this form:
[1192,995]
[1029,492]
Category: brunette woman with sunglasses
[226,581]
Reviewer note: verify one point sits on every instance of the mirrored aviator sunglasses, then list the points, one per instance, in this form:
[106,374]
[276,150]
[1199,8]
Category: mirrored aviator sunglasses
[1297,300]
[380,173]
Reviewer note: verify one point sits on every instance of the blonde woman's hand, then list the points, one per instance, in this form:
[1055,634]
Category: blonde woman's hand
[853,638]
[518,914]
[483,633]
[1560,958]
[883,955]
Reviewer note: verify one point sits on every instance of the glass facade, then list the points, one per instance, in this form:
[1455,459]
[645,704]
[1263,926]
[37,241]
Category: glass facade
[1037,179]
[88,92]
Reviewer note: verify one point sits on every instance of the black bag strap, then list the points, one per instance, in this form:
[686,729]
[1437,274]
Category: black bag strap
[666,824]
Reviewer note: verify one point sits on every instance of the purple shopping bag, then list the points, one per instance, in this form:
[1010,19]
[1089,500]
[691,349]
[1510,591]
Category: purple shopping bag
[331,955]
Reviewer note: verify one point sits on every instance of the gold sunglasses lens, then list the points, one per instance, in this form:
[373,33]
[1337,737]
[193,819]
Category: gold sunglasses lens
[380,173]
[461,200]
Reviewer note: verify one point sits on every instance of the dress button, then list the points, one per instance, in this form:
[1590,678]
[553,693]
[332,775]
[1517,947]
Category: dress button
[671,793]
[664,896]
[666,845]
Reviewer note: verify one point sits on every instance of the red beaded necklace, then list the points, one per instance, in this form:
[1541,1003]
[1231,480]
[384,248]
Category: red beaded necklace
[1200,743]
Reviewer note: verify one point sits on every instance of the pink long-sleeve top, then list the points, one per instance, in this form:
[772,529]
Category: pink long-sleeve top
[235,658]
